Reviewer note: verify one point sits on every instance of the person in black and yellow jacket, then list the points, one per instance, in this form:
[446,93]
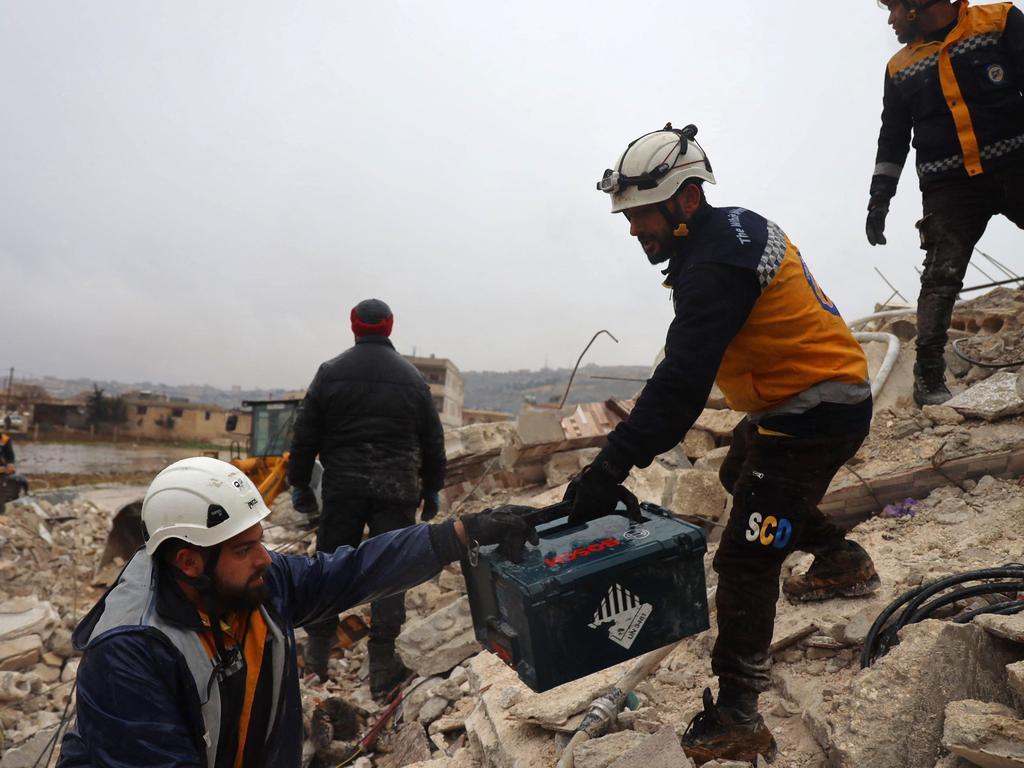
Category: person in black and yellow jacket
[956,85]
[748,313]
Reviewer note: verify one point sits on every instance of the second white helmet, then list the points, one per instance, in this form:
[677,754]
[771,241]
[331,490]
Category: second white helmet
[202,501]
[654,167]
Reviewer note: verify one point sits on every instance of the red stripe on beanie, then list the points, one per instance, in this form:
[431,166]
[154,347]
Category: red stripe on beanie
[360,328]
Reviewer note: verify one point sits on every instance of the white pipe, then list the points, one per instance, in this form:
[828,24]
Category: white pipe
[891,353]
[886,313]
[602,709]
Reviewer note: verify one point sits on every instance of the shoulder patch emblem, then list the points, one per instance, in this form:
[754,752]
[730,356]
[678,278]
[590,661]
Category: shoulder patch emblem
[996,73]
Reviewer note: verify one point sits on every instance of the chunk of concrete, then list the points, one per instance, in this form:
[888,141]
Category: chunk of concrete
[987,734]
[942,414]
[26,616]
[436,643]
[602,752]
[1015,677]
[698,443]
[992,399]
[501,740]
[719,423]
[696,493]
[410,745]
[659,750]
[564,466]
[432,709]
[15,686]
[20,652]
[890,715]
[1006,627]
[418,696]
[30,754]
[713,460]
[856,629]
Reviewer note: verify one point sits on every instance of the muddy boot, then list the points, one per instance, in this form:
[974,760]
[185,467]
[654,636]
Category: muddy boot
[386,669]
[930,384]
[846,571]
[724,733]
[315,655]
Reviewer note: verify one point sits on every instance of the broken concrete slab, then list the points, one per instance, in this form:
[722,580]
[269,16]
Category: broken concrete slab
[992,399]
[602,752]
[1007,627]
[418,696]
[696,493]
[503,741]
[30,754]
[1015,677]
[435,644]
[659,750]
[553,709]
[890,715]
[942,414]
[432,709]
[26,616]
[856,629]
[719,423]
[989,735]
[698,443]
[564,466]
[713,460]
[20,652]
[410,745]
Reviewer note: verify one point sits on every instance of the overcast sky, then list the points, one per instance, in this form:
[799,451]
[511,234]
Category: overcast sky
[198,192]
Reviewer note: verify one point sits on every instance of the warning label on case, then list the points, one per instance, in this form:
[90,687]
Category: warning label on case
[626,612]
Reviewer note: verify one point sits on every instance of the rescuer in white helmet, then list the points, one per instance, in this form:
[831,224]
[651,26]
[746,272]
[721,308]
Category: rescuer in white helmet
[190,658]
[748,314]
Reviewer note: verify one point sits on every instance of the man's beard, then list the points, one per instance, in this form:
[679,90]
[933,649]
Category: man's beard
[240,599]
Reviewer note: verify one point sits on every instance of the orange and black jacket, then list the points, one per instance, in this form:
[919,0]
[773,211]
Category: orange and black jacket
[749,315]
[960,94]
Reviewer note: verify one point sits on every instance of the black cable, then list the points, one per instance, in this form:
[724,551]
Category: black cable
[981,363]
[977,591]
[1003,609]
[913,599]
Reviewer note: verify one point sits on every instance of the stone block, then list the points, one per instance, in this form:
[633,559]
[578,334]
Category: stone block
[432,709]
[942,415]
[413,703]
[436,643]
[987,734]
[992,399]
[562,467]
[713,460]
[1020,384]
[698,443]
[602,752]
[719,423]
[856,629]
[659,750]
[30,754]
[452,581]
[696,493]
[20,652]
[410,745]
[26,616]
[477,439]
[1006,627]
[890,715]
[1015,677]
[15,686]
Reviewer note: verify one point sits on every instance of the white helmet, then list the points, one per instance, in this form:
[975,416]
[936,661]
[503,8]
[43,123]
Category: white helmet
[654,167]
[200,500]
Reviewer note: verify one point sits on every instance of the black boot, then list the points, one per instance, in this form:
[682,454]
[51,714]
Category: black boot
[930,383]
[315,655]
[386,669]
[844,571]
[725,733]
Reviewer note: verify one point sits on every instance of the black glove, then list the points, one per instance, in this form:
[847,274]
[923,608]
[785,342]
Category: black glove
[504,526]
[875,227]
[304,500]
[595,492]
[431,505]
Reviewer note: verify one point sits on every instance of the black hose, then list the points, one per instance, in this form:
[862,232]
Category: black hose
[981,589]
[982,363]
[913,599]
[1002,609]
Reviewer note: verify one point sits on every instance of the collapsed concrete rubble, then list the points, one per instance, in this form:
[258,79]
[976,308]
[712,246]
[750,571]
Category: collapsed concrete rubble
[932,493]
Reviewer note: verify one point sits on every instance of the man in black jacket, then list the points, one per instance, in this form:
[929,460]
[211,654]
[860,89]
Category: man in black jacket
[956,84]
[369,415]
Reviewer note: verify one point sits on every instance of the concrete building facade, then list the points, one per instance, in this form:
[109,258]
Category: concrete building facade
[446,387]
[155,417]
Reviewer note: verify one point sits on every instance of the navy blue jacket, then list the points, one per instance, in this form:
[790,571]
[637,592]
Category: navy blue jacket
[137,700]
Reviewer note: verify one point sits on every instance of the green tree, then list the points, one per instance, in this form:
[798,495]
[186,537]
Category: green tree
[103,410]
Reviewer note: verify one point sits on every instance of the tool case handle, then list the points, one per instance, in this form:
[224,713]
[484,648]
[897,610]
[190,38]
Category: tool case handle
[564,507]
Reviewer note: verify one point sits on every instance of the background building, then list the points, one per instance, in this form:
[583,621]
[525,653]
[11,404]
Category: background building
[446,387]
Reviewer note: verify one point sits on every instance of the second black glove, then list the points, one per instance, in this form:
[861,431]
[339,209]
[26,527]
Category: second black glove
[504,526]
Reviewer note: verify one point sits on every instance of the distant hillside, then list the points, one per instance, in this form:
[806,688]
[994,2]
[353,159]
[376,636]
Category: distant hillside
[487,390]
[506,391]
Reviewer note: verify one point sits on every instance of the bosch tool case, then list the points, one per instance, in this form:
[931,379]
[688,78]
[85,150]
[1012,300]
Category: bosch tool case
[589,596]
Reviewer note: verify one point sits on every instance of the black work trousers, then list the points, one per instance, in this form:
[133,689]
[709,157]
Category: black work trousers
[342,525]
[777,482]
[956,213]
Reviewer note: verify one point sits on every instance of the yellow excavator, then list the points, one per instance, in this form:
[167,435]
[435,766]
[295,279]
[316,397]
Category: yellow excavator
[265,462]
